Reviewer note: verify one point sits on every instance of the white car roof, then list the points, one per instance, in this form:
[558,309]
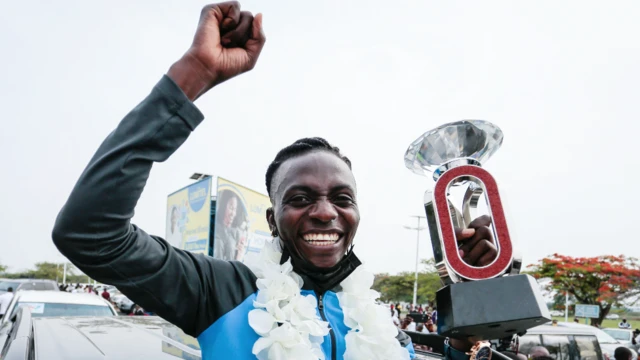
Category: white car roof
[562,328]
[60,297]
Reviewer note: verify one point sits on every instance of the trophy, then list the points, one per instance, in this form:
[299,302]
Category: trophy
[488,302]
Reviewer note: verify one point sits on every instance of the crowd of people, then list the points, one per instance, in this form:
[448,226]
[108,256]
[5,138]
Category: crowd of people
[417,318]
[136,309]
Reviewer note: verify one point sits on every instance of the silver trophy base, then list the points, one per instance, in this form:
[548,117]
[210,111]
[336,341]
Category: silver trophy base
[490,309]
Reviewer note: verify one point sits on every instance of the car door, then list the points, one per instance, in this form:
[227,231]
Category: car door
[559,346]
[587,347]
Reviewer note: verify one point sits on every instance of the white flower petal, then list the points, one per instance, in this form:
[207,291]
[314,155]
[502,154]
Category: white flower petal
[261,321]
[260,345]
[359,280]
[277,352]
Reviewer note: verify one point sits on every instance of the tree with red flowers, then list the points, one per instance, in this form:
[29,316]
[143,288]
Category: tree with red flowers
[605,280]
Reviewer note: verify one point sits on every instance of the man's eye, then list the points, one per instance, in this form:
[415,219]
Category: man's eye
[299,200]
[344,200]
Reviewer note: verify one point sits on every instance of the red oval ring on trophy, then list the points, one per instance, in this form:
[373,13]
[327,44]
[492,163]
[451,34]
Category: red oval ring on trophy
[449,242]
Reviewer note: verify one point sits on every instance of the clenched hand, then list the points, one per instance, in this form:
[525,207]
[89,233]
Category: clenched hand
[477,245]
[227,43]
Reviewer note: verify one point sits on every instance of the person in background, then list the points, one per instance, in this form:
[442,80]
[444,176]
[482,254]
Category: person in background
[137,311]
[434,315]
[106,295]
[5,300]
[399,309]
[430,326]
[394,317]
[420,309]
[623,353]
[537,352]
[514,356]
[394,312]
[624,324]
[408,324]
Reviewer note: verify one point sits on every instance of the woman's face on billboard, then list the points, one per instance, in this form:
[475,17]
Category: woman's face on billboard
[230,211]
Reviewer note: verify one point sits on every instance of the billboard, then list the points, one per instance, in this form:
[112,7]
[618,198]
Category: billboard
[189,217]
[241,225]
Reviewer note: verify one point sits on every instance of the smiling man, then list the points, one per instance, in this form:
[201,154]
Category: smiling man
[308,298]
[313,193]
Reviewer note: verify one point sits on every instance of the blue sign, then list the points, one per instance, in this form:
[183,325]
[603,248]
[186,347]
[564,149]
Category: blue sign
[587,311]
[199,194]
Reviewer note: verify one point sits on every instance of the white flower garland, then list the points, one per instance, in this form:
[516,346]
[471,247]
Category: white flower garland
[290,327]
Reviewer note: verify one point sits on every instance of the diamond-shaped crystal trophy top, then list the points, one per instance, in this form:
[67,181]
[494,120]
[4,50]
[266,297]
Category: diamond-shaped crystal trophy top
[466,139]
[453,154]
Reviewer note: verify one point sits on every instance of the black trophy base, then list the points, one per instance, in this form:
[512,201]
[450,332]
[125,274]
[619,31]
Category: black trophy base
[490,309]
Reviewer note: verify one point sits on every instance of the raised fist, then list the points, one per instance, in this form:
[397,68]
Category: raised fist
[227,43]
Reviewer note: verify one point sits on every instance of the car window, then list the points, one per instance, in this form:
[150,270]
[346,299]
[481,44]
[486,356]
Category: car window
[43,286]
[49,309]
[28,286]
[558,346]
[619,334]
[588,348]
[5,285]
[527,342]
[604,338]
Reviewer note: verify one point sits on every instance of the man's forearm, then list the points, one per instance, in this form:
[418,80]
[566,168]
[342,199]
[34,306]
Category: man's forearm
[103,200]
[191,76]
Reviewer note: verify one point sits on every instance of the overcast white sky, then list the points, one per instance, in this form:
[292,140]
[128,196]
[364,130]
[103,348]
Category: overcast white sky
[560,78]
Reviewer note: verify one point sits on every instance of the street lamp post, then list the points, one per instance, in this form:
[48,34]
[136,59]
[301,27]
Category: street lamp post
[417,229]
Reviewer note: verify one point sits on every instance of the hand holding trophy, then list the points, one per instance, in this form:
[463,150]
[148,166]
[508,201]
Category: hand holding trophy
[484,296]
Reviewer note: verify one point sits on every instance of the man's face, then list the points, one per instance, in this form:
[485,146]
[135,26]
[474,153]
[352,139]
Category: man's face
[314,206]
[230,211]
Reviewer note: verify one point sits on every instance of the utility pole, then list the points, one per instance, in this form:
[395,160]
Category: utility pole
[417,229]
[566,306]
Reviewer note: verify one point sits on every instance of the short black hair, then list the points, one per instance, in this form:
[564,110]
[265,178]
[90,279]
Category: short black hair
[622,353]
[10,289]
[298,148]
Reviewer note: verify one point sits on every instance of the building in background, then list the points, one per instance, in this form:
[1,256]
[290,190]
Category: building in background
[189,217]
[227,226]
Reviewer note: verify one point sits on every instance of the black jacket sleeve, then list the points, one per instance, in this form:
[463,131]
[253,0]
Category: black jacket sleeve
[93,229]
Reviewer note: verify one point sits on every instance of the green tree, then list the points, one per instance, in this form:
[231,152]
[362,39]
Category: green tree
[47,270]
[51,271]
[605,280]
[399,288]
[3,269]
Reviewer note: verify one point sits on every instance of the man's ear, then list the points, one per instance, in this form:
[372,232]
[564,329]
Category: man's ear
[271,220]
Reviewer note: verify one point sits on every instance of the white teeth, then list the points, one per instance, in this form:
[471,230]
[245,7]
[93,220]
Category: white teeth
[321,243]
[321,239]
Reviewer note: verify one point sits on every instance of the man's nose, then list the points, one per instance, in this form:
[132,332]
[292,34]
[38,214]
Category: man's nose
[323,211]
